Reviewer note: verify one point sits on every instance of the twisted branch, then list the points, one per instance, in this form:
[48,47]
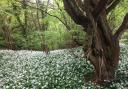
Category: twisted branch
[123,27]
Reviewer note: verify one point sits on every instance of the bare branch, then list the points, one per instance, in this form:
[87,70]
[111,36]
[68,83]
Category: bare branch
[48,14]
[111,5]
[122,28]
[77,16]
[110,2]
[63,15]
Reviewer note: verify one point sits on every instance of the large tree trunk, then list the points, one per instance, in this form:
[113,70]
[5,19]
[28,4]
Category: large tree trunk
[103,55]
[102,49]
[101,46]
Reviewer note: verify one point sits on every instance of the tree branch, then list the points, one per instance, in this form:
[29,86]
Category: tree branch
[63,15]
[111,5]
[122,28]
[77,16]
[99,8]
[51,16]
[110,2]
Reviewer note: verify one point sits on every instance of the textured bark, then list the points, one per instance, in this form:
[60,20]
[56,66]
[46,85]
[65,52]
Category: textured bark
[101,46]
[102,55]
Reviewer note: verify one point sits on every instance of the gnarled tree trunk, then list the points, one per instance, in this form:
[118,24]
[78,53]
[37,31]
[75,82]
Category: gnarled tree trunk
[103,54]
[101,46]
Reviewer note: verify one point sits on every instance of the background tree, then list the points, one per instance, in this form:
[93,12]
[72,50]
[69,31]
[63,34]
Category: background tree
[102,46]
[6,32]
[36,23]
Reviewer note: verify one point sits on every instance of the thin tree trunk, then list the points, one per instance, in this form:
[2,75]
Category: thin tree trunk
[7,36]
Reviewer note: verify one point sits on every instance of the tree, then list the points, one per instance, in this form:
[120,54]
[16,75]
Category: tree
[6,32]
[102,46]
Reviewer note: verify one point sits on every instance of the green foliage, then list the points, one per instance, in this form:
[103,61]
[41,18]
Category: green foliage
[58,70]
[30,27]
[33,22]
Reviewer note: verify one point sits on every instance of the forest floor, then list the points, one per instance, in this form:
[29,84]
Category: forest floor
[61,69]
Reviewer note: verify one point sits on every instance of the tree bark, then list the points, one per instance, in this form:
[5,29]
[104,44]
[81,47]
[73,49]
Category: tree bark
[103,56]
[101,47]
